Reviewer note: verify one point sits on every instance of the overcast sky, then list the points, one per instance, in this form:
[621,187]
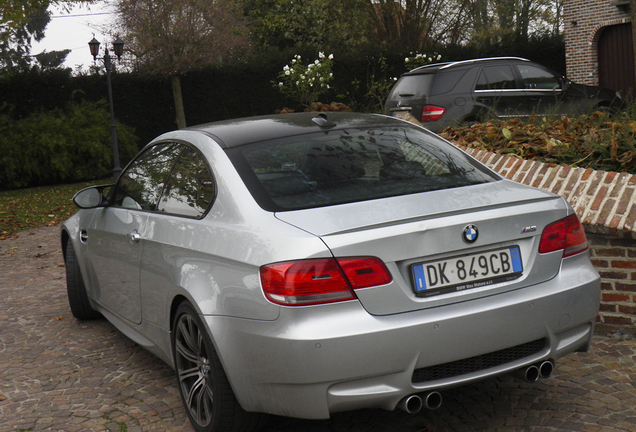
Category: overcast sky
[73,30]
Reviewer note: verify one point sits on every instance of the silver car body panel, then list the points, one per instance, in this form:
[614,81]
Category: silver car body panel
[403,231]
[212,262]
[318,360]
[109,248]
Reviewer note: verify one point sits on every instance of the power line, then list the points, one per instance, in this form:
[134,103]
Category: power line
[81,15]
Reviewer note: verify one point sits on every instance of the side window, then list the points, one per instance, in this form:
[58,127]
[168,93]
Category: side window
[496,78]
[537,78]
[140,186]
[190,190]
[446,81]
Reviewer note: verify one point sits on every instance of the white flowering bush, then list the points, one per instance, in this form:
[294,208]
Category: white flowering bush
[417,60]
[304,83]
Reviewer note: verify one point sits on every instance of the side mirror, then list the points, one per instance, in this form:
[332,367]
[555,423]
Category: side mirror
[91,197]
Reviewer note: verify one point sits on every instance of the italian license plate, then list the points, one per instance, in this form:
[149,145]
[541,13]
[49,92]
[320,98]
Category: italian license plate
[468,271]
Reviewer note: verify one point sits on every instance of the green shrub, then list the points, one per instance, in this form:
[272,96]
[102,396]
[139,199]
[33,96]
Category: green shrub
[60,146]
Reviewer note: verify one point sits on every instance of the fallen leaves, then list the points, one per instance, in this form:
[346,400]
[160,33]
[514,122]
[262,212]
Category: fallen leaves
[595,141]
[25,209]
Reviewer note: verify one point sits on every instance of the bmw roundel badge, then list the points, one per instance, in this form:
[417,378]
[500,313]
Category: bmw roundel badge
[470,234]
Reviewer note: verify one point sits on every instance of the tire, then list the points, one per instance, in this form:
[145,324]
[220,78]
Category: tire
[205,391]
[469,121]
[75,288]
[610,111]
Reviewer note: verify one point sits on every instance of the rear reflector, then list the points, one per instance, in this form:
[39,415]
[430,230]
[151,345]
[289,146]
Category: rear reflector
[432,113]
[310,282]
[365,272]
[566,234]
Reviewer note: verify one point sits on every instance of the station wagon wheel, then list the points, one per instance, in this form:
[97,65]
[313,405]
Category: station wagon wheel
[610,111]
[75,288]
[469,121]
[205,390]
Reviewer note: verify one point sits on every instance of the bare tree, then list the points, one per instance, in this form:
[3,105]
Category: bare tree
[172,37]
[496,19]
[418,24]
[482,16]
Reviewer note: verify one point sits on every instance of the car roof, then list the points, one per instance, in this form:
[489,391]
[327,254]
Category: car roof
[435,67]
[237,132]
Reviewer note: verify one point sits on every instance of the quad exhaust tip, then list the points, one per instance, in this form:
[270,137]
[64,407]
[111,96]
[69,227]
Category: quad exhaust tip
[532,373]
[546,368]
[433,400]
[414,403]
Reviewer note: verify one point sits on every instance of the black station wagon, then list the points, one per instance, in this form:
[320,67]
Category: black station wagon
[444,94]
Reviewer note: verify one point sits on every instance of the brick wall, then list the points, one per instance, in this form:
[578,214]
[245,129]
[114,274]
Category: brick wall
[583,20]
[606,204]
[615,260]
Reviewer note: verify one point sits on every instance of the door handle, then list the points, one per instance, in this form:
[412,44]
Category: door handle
[134,236]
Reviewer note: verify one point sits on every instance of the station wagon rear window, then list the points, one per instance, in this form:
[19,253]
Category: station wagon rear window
[343,166]
[416,86]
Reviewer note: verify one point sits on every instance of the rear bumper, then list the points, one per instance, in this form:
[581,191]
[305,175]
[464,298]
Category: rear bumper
[314,361]
[452,117]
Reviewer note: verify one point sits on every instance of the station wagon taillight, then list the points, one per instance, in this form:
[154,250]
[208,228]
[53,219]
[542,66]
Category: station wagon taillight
[432,113]
[566,234]
[317,281]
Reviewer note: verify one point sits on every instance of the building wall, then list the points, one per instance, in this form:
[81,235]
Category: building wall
[606,204]
[615,260]
[583,21]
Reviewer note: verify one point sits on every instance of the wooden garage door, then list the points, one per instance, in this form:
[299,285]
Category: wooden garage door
[616,58]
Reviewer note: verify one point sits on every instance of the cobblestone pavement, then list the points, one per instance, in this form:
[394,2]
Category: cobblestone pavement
[59,374]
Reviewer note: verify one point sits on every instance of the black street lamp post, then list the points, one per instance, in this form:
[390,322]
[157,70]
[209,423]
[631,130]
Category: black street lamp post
[118,48]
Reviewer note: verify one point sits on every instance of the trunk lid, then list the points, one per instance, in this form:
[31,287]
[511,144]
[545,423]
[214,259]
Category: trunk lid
[428,228]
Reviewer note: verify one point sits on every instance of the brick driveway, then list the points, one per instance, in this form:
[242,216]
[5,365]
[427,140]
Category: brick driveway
[59,374]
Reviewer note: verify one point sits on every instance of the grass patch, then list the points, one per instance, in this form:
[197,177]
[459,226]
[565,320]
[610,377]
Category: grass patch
[25,209]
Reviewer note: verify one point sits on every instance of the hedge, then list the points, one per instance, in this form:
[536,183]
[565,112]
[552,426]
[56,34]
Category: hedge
[60,146]
[35,114]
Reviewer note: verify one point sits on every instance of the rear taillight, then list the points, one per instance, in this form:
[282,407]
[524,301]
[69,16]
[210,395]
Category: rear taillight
[310,282]
[566,234]
[432,113]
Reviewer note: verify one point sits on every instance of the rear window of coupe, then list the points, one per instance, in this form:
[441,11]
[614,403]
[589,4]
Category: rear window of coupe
[343,166]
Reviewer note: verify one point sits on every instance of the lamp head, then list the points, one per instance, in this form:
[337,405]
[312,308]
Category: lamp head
[94,47]
[118,47]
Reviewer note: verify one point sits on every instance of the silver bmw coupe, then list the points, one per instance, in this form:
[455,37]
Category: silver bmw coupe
[306,264]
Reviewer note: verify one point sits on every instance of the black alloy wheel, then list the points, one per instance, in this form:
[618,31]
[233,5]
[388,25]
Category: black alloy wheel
[204,387]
